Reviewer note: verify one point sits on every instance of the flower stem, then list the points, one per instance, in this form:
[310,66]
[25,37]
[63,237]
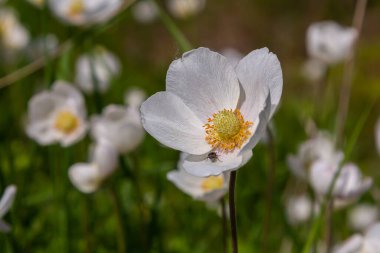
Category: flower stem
[224,224]
[120,224]
[172,28]
[329,228]
[348,73]
[233,212]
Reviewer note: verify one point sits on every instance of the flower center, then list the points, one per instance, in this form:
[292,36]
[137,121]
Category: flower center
[66,122]
[76,8]
[227,130]
[212,183]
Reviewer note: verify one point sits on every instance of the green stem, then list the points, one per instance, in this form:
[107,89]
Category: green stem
[224,224]
[234,236]
[174,31]
[120,223]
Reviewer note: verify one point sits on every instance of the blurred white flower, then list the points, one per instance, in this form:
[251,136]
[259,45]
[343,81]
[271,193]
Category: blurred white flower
[120,126]
[57,116]
[319,147]
[299,209]
[314,70]
[367,243]
[185,8]
[330,42]
[85,12]
[99,66]
[349,186]
[87,177]
[37,3]
[6,203]
[209,189]
[134,97]
[233,55]
[42,46]
[362,216]
[13,34]
[377,135]
[211,107]
[145,11]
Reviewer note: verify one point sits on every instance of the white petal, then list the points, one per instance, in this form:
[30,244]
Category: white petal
[371,239]
[68,92]
[134,97]
[258,71]
[170,121]
[186,183]
[362,216]
[205,81]
[7,199]
[85,177]
[352,245]
[201,166]
[105,156]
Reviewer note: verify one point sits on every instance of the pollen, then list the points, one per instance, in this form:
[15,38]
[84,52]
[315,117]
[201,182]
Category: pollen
[227,130]
[76,8]
[212,183]
[66,122]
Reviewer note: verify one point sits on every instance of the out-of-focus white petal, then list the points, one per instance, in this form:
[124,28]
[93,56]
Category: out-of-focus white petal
[352,245]
[4,227]
[258,71]
[298,209]
[134,97]
[362,216]
[330,42]
[185,8]
[105,156]
[205,81]
[145,11]
[233,55]
[314,70]
[7,199]
[85,177]
[169,120]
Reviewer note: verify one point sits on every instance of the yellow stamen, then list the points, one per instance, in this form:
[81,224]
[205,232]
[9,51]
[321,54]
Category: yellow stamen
[227,130]
[76,8]
[66,122]
[212,183]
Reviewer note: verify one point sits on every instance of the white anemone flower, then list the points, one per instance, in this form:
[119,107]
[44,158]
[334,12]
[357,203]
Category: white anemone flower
[134,97]
[185,8]
[362,216]
[145,11]
[87,177]
[377,135]
[85,12]
[319,147]
[57,116]
[209,189]
[367,243]
[299,209]
[349,186]
[120,126]
[210,107]
[6,203]
[330,42]
[13,34]
[96,68]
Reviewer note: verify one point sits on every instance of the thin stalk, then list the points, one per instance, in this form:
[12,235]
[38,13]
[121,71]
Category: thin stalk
[349,67]
[234,236]
[224,224]
[269,190]
[120,224]
[172,28]
[329,226]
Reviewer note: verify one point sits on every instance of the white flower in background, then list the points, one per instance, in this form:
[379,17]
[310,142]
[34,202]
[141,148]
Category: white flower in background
[319,147]
[299,209]
[233,55]
[96,68]
[13,34]
[145,11]
[41,46]
[134,97]
[37,3]
[349,186]
[185,8]
[362,216]
[377,135]
[87,177]
[210,107]
[330,42]
[209,189]
[85,12]
[57,116]
[120,126]
[6,203]
[314,70]
[367,243]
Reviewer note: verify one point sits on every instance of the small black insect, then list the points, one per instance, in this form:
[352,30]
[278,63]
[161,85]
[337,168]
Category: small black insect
[213,156]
